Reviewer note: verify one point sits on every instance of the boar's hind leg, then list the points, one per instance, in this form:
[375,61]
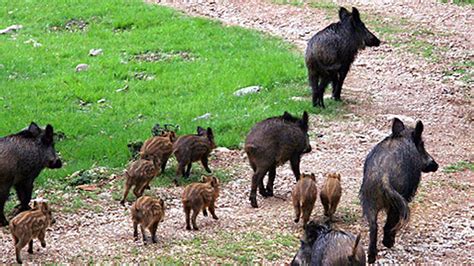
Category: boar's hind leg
[125,193]
[41,236]
[187,211]
[297,207]
[318,94]
[256,181]
[153,232]
[313,78]
[30,247]
[372,217]
[271,180]
[188,171]
[193,218]
[19,245]
[142,228]
[135,231]
[389,232]
[212,210]
[295,167]
[3,199]
[163,164]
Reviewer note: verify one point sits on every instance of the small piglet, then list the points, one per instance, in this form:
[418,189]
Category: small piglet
[148,213]
[139,174]
[192,148]
[29,225]
[304,196]
[199,196]
[331,194]
[159,147]
[324,245]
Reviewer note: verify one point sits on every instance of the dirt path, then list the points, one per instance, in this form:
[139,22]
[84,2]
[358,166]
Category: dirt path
[396,78]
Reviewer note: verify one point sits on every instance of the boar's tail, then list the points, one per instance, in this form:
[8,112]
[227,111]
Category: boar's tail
[396,202]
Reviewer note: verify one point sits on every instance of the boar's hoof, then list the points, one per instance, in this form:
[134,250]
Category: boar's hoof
[253,202]
[195,229]
[188,227]
[215,217]
[43,245]
[297,220]
[122,202]
[148,187]
[388,241]
[371,258]
[175,182]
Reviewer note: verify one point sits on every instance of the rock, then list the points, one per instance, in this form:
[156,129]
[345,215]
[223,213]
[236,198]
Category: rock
[95,52]
[101,100]
[248,90]
[34,42]
[82,67]
[221,149]
[10,29]
[204,116]
[125,88]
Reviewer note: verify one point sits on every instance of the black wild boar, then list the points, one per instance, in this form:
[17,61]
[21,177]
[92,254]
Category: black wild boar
[22,157]
[331,51]
[323,245]
[29,225]
[192,148]
[392,172]
[271,143]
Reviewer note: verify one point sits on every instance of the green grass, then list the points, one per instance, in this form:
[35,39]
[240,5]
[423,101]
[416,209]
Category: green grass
[459,2]
[241,248]
[459,167]
[40,83]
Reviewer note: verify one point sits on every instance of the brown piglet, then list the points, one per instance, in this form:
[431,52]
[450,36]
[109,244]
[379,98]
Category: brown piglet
[29,225]
[192,148]
[159,147]
[304,196]
[148,213]
[139,174]
[331,194]
[200,196]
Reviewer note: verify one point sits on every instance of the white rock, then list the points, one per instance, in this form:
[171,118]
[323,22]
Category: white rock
[95,52]
[11,29]
[204,116]
[248,90]
[82,67]
[221,149]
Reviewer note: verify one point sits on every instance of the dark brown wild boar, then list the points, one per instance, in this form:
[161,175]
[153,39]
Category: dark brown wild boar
[159,147]
[304,196]
[29,225]
[324,245]
[148,213]
[199,196]
[331,194]
[271,143]
[192,148]
[22,157]
[139,174]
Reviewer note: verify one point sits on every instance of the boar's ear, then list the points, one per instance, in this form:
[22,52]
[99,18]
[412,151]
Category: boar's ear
[48,135]
[34,129]
[343,13]
[418,131]
[303,123]
[355,15]
[397,127]
[200,131]
[209,133]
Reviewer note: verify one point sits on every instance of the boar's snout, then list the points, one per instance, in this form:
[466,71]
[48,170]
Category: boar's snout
[432,166]
[372,41]
[308,149]
[54,164]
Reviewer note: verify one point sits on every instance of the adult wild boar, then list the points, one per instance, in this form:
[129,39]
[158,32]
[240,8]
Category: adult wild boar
[331,51]
[271,143]
[22,157]
[392,172]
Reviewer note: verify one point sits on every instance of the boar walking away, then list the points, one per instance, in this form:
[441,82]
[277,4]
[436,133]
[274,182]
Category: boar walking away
[323,245]
[392,172]
[139,174]
[192,148]
[159,147]
[148,213]
[271,143]
[29,225]
[331,194]
[22,157]
[331,51]
[304,196]
[200,196]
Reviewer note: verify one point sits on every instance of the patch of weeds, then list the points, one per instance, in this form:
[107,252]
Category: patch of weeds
[156,56]
[289,2]
[347,216]
[323,4]
[459,186]
[72,25]
[89,176]
[459,2]
[464,69]
[123,26]
[459,167]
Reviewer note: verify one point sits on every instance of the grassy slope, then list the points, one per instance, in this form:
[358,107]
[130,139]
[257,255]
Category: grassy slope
[40,84]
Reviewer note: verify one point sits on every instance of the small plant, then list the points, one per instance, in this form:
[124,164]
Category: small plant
[459,167]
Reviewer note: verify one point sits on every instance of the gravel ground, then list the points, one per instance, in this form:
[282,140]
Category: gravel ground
[385,81]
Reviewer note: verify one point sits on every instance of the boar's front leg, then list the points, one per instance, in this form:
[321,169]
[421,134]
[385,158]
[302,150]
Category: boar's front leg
[295,166]
[24,190]
[205,162]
